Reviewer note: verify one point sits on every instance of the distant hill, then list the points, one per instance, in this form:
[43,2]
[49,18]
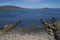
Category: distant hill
[46,8]
[10,8]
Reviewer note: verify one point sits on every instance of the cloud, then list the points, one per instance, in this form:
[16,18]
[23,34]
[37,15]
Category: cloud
[6,3]
[31,0]
[44,5]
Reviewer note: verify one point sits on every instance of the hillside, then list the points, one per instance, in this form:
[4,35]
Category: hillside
[10,8]
[46,8]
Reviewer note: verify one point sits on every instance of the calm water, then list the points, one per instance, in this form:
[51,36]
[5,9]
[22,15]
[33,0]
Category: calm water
[28,17]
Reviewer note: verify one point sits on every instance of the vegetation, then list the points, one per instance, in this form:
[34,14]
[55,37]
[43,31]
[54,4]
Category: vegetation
[58,24]
[10,7]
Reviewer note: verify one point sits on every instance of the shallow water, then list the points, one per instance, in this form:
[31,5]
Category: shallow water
[28,17]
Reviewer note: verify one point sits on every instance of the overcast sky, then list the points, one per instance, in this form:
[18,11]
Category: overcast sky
[32,3]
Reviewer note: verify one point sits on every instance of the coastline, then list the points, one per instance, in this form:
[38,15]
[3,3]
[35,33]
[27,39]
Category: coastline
[16,35]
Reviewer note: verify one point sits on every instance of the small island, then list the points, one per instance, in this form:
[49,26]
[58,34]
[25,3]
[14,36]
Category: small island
[46,8]
[10,7]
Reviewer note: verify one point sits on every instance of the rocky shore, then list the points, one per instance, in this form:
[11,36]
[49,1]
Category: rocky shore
[17,35]
[52,31]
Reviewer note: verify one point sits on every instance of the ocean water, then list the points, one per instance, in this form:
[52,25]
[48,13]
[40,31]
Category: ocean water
[27,16]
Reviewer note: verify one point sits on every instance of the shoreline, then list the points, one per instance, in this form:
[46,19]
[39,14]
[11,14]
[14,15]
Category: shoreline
[15,35]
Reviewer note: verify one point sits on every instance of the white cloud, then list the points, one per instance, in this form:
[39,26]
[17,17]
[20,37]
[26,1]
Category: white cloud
[31,0]
[6,3]
[44,5]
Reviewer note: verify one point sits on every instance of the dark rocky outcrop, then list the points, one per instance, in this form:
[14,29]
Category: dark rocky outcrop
[10,26]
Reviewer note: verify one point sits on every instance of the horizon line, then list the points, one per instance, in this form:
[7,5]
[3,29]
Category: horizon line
[29,7]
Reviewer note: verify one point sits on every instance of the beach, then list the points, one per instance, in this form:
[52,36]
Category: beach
[17,35]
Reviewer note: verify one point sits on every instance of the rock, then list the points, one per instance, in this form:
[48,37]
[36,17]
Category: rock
[10,26]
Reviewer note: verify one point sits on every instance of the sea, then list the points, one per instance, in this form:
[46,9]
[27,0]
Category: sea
[28,17]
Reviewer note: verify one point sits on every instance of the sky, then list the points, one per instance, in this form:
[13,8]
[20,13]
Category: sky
[32,3]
